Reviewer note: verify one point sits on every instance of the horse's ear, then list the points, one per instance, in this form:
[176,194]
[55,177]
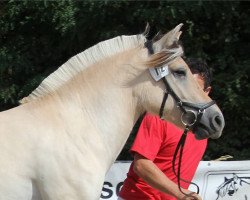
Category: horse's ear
[169,39]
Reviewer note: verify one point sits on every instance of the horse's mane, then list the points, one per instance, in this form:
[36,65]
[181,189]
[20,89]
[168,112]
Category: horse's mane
[100,51]
[82,60]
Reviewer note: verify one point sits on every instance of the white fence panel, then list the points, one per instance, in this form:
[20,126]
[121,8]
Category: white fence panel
[217,180]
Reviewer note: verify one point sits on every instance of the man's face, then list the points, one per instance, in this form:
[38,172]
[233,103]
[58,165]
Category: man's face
[201,83]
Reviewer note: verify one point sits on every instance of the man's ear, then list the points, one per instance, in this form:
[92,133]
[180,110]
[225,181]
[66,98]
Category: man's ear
[208,90]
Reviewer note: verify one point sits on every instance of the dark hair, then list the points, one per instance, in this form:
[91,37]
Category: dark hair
[198,66]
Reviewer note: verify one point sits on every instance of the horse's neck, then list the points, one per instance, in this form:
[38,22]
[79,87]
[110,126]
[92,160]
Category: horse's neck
[100,107]
[110,104]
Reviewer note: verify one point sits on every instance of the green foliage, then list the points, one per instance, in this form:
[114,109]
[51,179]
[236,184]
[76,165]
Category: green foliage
[31,34]
[38,36]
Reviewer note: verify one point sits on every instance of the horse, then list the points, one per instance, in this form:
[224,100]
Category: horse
[236,187]
[61,140]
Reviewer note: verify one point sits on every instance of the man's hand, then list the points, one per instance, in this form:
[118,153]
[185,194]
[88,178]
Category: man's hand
[190,195]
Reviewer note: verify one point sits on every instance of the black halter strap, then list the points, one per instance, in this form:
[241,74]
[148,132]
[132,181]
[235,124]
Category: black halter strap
[200,108]
[163,103]
[176,98]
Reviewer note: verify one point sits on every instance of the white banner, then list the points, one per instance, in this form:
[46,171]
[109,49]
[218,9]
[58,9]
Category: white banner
[217,180]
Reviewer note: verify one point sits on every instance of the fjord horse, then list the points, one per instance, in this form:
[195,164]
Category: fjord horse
[62,139]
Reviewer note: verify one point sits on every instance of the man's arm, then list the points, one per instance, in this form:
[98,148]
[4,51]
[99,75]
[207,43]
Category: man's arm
[151,174]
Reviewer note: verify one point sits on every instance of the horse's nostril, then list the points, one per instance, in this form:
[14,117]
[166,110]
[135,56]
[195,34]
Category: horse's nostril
[217,120]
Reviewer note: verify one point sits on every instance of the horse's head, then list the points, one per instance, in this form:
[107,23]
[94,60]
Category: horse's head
[173,87]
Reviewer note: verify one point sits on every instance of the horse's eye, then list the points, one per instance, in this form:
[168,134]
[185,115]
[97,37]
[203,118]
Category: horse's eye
[180,72]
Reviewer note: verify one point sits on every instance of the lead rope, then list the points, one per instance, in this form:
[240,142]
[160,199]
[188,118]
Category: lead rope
[180,147]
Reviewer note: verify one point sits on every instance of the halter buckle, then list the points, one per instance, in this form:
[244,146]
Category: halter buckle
[189,118]
[201,111]
[179,104]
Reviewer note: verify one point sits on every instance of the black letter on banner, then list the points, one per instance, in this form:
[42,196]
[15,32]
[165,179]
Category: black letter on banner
[109,191]
[118,188]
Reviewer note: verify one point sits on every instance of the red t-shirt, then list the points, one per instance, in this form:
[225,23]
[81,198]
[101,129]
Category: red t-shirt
[157,140]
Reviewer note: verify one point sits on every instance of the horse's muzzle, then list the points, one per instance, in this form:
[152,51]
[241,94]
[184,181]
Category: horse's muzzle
[210,125]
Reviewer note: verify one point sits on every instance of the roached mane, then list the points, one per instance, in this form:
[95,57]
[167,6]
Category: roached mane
[93,54]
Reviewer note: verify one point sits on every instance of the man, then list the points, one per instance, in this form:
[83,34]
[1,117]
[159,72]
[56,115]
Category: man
[150,176]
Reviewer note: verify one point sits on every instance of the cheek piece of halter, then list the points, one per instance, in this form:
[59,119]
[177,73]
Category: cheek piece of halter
[189,118]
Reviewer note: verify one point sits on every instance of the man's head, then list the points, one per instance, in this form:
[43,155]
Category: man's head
[201,73]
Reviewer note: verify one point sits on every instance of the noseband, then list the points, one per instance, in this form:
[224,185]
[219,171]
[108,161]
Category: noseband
[189,118]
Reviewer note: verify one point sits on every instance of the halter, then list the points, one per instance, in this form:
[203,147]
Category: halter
[189,118]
